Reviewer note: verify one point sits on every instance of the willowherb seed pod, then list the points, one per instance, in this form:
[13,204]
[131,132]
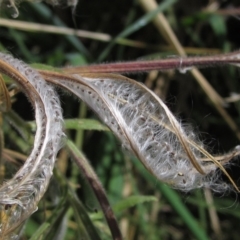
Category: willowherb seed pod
[146,127]
[20,195]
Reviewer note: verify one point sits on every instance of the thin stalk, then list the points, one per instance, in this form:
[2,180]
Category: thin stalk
[92,178]
[181,63]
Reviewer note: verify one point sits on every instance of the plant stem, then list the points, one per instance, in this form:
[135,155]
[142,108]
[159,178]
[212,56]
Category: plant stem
[181,63]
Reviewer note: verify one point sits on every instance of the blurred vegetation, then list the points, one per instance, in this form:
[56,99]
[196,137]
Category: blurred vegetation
[145,208]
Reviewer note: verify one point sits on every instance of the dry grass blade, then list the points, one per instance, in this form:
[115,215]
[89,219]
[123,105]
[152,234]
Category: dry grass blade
[94,182]
[103,37]
[5,105]
[15,155]
[213,214]
[5,100]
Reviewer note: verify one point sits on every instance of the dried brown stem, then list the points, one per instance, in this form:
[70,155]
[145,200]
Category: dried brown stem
[94,182]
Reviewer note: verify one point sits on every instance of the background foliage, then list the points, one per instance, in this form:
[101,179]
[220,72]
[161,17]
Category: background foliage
[145,208]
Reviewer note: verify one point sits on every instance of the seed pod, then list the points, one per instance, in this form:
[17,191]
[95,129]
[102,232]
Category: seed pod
[20,195]
[145,126]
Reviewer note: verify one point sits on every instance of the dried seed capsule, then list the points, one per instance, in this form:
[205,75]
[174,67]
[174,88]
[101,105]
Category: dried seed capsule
[20,195]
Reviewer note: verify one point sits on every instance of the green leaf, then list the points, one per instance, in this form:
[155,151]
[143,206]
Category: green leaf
[85,124]
[218,25]
[176,203]
[48,229]
[82,217]
[43,228]
[40,66]
[76,59]
[126,204]
[133,201]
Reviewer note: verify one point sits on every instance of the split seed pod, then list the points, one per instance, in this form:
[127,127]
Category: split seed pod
[145,126]
[20,195]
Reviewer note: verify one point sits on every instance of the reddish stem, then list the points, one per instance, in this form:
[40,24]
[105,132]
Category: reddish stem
[181,63]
